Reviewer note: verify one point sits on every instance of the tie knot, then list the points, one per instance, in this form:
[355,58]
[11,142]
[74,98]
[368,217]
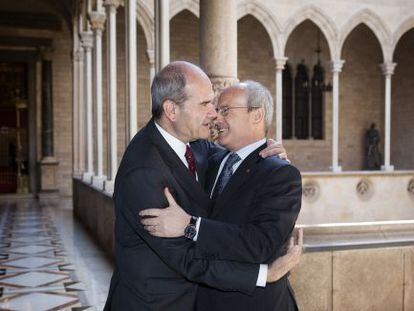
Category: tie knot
[189,156]
[232,159]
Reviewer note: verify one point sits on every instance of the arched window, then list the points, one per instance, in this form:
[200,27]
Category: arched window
[318,79]
[302,102]
[287,102]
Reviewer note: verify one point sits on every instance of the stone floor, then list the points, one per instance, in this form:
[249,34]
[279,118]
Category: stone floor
[48,261]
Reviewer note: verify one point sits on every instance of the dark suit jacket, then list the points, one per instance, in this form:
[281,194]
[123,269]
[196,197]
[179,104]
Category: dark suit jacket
[153,273]
[251,221]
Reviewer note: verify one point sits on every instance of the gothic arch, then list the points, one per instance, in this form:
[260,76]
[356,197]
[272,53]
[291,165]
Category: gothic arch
[268,21]
[320,19]
[404,27]
[145,19]
[373,22]
[181,5]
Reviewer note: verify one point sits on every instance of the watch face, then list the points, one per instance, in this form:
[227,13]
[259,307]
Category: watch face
[190,232]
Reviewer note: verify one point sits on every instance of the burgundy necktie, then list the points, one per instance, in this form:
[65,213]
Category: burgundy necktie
[189,156]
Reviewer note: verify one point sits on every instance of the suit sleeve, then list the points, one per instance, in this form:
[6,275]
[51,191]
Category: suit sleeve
[141,189]
[261,240]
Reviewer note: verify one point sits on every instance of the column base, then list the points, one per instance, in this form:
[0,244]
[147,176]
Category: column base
[48,169]
[98,182]
[87,177]
[336,169]
[387,168]
[109,186]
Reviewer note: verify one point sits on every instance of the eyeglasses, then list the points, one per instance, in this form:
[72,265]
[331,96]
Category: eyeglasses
[224,111]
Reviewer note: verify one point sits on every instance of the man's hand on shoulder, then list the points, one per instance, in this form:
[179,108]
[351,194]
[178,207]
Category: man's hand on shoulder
[284,264]
[168,222]
[274,148]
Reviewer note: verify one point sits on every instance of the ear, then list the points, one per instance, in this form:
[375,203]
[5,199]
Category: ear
[168,107]
[257,115]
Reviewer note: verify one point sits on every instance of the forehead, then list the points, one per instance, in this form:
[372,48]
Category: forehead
[199,88]
[232,97]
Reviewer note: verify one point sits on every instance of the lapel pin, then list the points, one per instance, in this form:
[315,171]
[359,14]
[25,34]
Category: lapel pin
[248,170]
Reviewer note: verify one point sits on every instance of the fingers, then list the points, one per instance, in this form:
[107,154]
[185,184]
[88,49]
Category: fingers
[150,222]
[291,242]
[154,212]
[170,198]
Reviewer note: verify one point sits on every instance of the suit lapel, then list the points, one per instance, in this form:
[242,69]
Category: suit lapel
[201,162]
[240,177]
[177,168]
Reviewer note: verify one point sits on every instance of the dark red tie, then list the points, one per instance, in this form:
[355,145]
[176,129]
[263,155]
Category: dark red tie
[189,156]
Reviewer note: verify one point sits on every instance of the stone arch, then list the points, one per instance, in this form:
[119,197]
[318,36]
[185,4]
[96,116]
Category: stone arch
[268,21]
[375,24]
[145,19]
[320,19]
[181,5]
[404,27]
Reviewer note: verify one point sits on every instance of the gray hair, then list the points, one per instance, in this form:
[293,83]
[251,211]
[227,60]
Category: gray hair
[168,84]
[258,96]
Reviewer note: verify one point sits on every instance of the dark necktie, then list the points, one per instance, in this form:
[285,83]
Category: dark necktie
[225,174]
[189,156]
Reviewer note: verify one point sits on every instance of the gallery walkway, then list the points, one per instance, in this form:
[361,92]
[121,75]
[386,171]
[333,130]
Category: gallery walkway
[47,260]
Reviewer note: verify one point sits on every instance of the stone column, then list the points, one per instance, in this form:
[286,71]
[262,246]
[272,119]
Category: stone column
[162,33]
[87,42]
[387,71]
[97,20]
[131,69]
[218,41]
[336,68]
[48,163]
[280,65]
[111,6]
[151,61]
[80,116]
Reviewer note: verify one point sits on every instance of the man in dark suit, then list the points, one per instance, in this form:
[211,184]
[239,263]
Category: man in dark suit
[254,202]
[153,273]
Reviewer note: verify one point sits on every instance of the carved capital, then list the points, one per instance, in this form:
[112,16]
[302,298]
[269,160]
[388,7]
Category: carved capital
[220,83]
[113,5]
[151,56]
[79,55]
[388,68]
[87,40]
[336,65]
[280,63]
[97,20]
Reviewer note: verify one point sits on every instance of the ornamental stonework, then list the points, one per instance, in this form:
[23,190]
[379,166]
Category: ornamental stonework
[311,191]
[364,189]
[220,83]
[410,188]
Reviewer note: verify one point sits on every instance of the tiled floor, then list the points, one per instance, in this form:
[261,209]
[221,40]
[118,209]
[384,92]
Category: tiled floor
[47,260]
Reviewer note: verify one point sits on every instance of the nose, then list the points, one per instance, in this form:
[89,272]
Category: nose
[212,111]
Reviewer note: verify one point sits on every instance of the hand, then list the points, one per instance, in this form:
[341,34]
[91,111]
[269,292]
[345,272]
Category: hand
[168,222]
[284,264]
[274,148]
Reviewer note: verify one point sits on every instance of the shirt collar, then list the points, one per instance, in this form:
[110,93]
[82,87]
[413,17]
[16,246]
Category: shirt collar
[244,152]
[177,145]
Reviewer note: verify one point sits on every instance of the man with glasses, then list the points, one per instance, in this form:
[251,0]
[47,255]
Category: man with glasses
[161,274]
[254,202]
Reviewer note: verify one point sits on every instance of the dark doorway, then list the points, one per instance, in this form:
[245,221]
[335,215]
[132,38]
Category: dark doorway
[14,142]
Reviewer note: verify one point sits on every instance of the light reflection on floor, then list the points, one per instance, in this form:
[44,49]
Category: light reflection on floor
[47,260]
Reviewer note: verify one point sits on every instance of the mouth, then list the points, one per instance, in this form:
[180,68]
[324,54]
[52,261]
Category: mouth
[222,131]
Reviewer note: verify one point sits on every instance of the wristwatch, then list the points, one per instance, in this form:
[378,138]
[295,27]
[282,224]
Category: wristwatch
[190,231]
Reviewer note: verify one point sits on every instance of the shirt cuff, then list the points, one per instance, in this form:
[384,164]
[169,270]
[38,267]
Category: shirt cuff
[198,223]
[262,277]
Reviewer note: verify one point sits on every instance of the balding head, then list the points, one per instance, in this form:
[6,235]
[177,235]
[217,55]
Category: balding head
[170,83]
